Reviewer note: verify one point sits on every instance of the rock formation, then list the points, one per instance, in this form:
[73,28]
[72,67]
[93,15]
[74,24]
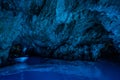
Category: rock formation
[62,29]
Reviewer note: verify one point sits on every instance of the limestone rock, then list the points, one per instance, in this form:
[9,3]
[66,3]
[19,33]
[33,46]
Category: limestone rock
[64,29]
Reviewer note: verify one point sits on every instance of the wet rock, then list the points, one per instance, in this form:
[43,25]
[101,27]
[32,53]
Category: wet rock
[10,27]
[61,29]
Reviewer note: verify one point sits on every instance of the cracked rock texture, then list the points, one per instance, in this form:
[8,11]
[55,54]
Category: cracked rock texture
[62,29]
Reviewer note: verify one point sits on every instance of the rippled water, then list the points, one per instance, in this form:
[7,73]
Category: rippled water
[47,69]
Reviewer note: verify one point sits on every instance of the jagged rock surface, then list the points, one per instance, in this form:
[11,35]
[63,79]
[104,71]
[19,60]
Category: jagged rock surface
[75,29]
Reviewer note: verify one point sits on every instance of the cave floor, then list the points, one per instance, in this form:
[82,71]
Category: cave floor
[51,69]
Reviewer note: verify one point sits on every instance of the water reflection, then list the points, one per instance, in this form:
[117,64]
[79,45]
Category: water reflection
[46,69]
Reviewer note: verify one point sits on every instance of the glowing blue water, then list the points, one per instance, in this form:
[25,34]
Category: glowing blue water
[46,69]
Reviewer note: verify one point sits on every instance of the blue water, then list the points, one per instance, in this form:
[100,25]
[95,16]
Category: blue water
[36,75]
[47,69]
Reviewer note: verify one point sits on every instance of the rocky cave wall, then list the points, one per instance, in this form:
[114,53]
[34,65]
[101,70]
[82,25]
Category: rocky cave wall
[62,29]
